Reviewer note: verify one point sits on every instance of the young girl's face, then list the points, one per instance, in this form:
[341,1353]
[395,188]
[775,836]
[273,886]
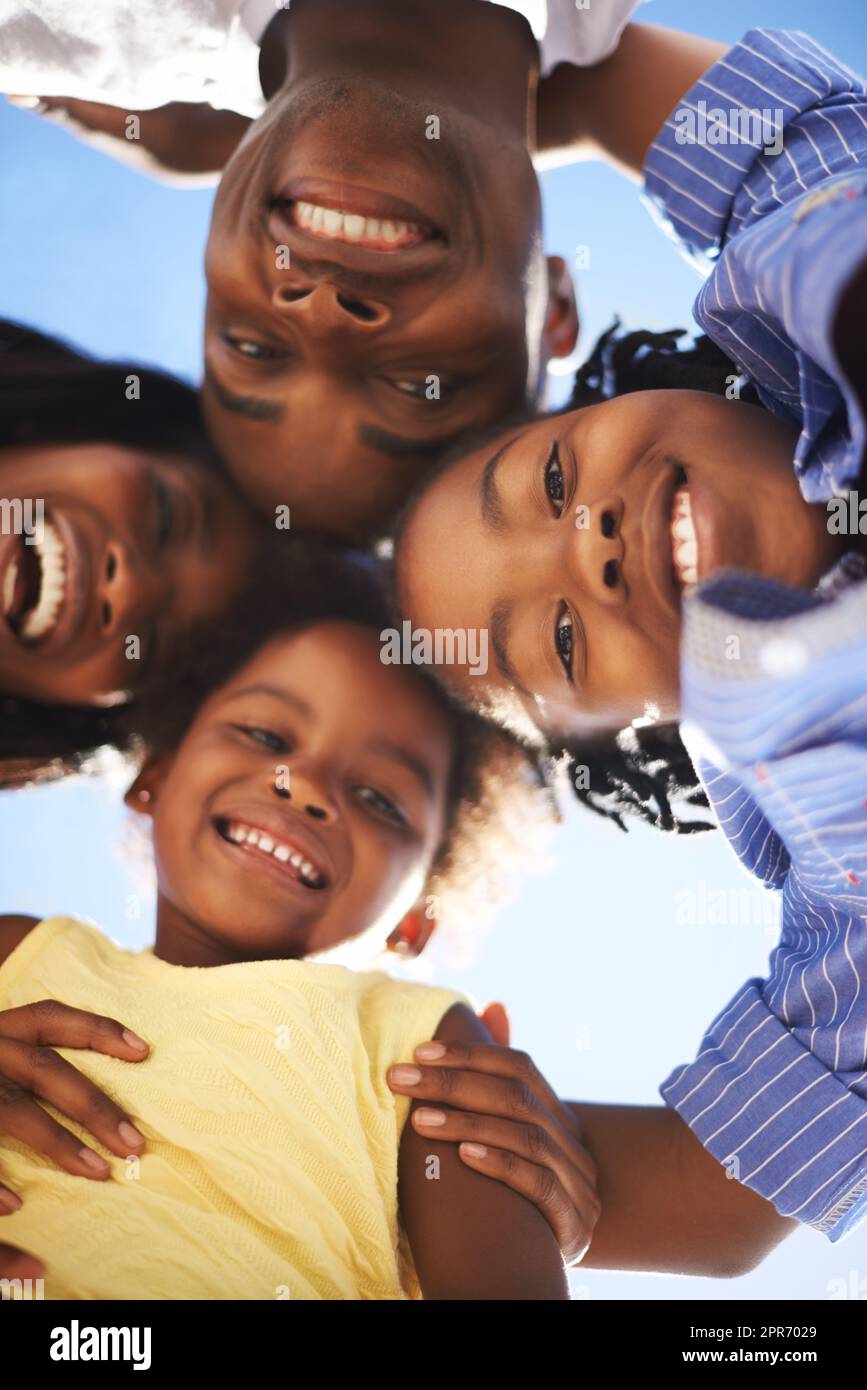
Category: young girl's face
[305,803]
[131,545]
[571,541]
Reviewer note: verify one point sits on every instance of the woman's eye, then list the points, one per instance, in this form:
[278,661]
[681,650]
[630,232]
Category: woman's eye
[564,639]
[382,804]
[165,514]
[264,737]
[554,487]
[248,347]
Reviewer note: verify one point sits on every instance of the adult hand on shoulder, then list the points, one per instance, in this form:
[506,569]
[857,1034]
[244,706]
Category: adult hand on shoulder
[508,1124]
[33,1074]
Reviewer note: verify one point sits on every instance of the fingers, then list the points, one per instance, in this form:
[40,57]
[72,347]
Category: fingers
[496,1020]
[49,1023]
[27,1071]
[541,1144]
[9,1201]
[492,1060]
[572,1225]
[18,1264]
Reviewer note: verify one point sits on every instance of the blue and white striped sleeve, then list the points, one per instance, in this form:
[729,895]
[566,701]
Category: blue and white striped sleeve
[772,119]
[778,1091]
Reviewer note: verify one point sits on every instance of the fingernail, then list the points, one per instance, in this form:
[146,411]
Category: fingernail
[429,1052]
[429,1117]
[8,1201]
[133,1040]
[405,1076]
[130,1135]
[92,1160]
[474,1150]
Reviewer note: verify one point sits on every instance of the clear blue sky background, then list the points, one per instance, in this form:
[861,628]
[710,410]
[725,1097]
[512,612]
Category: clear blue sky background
[608,984]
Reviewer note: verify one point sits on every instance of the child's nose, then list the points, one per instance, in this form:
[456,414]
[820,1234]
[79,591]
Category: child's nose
[595,551]
[307,795]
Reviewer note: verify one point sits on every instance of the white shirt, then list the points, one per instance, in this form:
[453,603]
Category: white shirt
[138,54]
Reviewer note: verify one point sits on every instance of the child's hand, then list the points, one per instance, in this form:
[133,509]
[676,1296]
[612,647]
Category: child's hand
[17,1264]
[529,1139]
[31,1072]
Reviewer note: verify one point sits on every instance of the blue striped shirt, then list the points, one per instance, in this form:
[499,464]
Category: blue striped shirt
[781,233]
[778,1091]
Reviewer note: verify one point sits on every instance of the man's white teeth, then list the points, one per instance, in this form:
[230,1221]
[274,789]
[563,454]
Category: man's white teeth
[684,544]
[266,844]
[351,226]
[42,617]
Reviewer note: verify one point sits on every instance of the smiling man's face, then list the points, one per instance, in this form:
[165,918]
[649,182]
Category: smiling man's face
[373,295]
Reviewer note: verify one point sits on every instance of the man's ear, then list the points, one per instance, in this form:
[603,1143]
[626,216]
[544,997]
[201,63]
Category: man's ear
[145,790]
[561,320]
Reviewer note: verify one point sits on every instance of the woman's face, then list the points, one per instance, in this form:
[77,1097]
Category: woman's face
[134,549]
[306,802]
[572,540]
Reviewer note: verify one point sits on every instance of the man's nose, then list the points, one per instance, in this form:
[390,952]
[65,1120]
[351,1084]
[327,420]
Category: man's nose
[594,551]
[323,309]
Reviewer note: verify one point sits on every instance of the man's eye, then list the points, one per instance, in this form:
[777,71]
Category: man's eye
[382,804]
[264,737]
[564,640]
[406,387]
[248,347]
[555,489]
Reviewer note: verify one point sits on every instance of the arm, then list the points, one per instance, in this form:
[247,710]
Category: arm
[666,1204]
[472,1239]
[183,143]
[614,111]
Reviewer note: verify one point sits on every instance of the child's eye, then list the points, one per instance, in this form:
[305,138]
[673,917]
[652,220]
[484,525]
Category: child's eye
[564,640]
[382,804]
[554,486]
[264,737]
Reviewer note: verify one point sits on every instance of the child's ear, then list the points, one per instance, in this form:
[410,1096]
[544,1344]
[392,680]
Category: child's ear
[412,934]
[145,790]
[561,321]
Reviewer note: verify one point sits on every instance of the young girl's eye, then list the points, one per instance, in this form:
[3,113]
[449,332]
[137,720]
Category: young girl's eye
[555,489]
[381,804]
[264,737]
[564,640]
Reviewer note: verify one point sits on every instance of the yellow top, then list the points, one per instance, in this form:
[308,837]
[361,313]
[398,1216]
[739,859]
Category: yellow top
[272,1137]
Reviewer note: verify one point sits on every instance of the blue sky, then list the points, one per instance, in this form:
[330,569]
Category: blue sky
[609,973]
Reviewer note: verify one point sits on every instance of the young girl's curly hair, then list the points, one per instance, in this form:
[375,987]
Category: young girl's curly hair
[499,788]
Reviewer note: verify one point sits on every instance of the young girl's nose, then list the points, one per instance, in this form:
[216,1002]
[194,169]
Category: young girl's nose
[308,795]
[594,554]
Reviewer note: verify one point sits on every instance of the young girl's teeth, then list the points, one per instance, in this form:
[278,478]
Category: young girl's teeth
[684,544]
[266,844]
[282,853]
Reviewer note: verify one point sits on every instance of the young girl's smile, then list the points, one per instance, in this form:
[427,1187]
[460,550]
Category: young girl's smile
[133,544]
[308,797]
[572,541]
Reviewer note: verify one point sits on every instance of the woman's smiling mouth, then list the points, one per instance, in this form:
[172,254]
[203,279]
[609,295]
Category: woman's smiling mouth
[41,594]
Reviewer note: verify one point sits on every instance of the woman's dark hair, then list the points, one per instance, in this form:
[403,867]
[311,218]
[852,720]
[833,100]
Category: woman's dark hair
[51,394]
[646,771]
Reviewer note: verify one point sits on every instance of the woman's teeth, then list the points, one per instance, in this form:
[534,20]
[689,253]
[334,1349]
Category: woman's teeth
[684,544]
[46,586]
[374,232]
[241,834]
